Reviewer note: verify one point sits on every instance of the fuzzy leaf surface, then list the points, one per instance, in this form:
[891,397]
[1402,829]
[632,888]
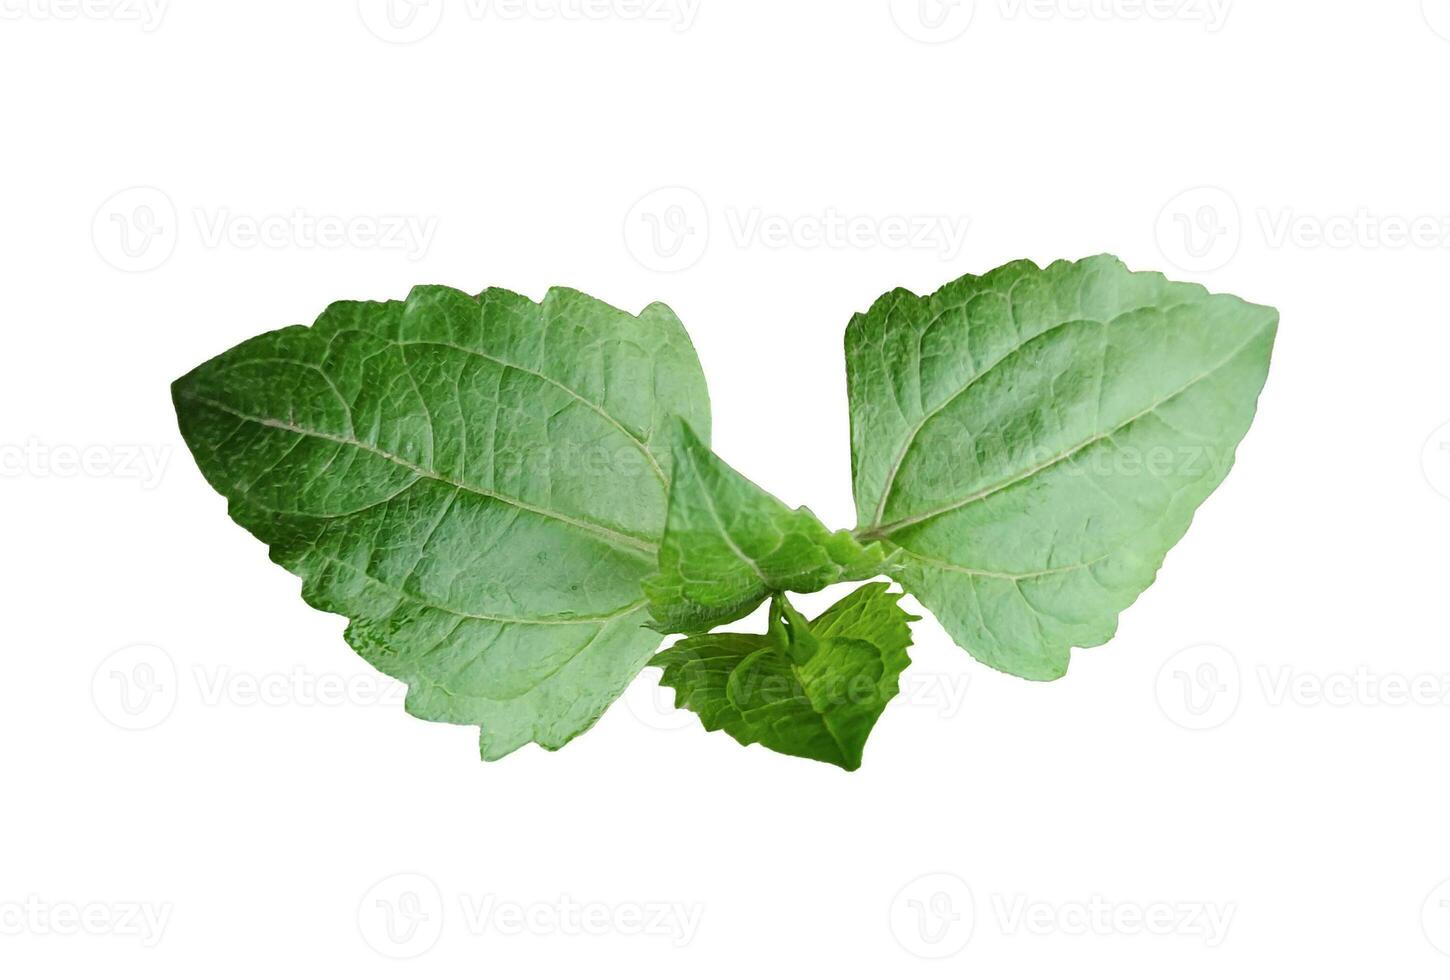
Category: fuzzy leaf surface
[817,696]
[1036,440]
[729,545]
[478,483]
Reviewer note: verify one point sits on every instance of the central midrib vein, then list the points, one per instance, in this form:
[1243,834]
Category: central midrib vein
[618,538]
[885,531]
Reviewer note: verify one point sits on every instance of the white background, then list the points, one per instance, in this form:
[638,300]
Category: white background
[1275,776]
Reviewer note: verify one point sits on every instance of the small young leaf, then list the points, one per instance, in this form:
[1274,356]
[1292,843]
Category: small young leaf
[819,707]
[728,545]
[791,632]
[478,484]
[1036,440]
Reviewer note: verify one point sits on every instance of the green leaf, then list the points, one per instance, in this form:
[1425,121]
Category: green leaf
[728,545]
[790,632]
[478,483]
[1035,440]
[817,699]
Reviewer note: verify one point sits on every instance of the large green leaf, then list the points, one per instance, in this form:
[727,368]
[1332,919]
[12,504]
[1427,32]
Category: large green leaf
[1035,440]
[478,483]
[728,545]
[813,690]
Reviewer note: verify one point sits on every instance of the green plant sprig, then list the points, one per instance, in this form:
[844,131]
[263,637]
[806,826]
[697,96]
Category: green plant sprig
[511,501]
